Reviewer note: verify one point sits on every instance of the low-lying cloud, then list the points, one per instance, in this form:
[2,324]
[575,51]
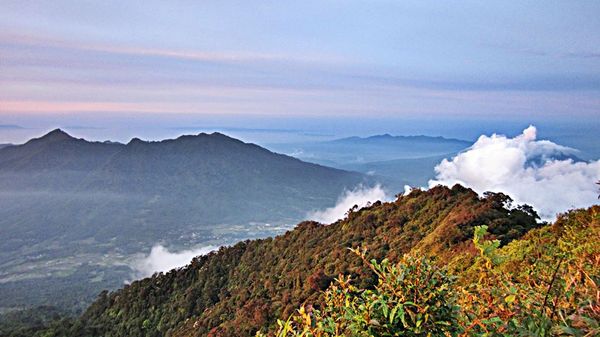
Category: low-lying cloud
[359,196]
[161,259]
[540,173]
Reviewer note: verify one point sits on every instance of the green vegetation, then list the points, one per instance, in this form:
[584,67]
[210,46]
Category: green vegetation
[451,264]
[244,288]
[412,298]
[545,284]
[29,322]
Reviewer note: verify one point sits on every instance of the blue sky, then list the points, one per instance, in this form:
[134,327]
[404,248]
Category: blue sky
[230,62]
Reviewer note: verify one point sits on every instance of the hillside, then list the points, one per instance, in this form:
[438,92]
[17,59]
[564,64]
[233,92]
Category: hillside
[544,284]
[74,211]
[239,289]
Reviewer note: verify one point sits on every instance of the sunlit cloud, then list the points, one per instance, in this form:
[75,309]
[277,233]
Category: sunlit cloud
[360,196]
[541,173]
[162,259]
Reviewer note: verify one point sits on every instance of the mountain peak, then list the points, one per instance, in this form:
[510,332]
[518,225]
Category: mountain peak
[136,140]
[384,136]
[57,135]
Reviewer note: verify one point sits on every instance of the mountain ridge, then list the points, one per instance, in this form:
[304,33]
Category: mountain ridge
[490,260]
[347,151]
[389,137]
[67,197]
[242,288]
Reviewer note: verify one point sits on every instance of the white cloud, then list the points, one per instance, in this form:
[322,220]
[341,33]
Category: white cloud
[161,259]
[359,196]
[536,172]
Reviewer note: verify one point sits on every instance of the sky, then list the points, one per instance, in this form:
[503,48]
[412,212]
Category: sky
[117,69]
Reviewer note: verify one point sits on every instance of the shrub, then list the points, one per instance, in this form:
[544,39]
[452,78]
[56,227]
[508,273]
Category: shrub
[411,298]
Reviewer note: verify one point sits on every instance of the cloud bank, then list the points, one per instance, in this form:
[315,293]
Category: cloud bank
[540,173]
[161,259]
[359,196]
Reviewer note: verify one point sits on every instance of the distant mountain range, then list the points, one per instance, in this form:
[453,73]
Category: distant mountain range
[394,160]
[389,139]
[69,203]
[361,150]
[209,172]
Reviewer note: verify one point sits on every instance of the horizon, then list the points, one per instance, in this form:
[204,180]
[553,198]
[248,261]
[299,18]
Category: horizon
[266,132]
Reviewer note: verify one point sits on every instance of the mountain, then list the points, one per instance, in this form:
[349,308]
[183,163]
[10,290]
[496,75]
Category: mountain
[453,263]
[362,150]
[247,286]
[389,139]
[4,145]
[74,211]
[395,161]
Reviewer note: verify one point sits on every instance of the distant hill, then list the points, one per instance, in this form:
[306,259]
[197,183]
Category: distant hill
[362,150]
[248,286]
[4,145]
[389,139]
[395,161]
[69,204]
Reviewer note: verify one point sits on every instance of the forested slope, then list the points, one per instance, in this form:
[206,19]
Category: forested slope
[240,289]
[543,284]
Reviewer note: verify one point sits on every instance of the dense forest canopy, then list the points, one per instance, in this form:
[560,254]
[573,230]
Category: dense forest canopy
[246,287]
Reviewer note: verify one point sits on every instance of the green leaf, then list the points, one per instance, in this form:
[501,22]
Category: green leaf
[393,314]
